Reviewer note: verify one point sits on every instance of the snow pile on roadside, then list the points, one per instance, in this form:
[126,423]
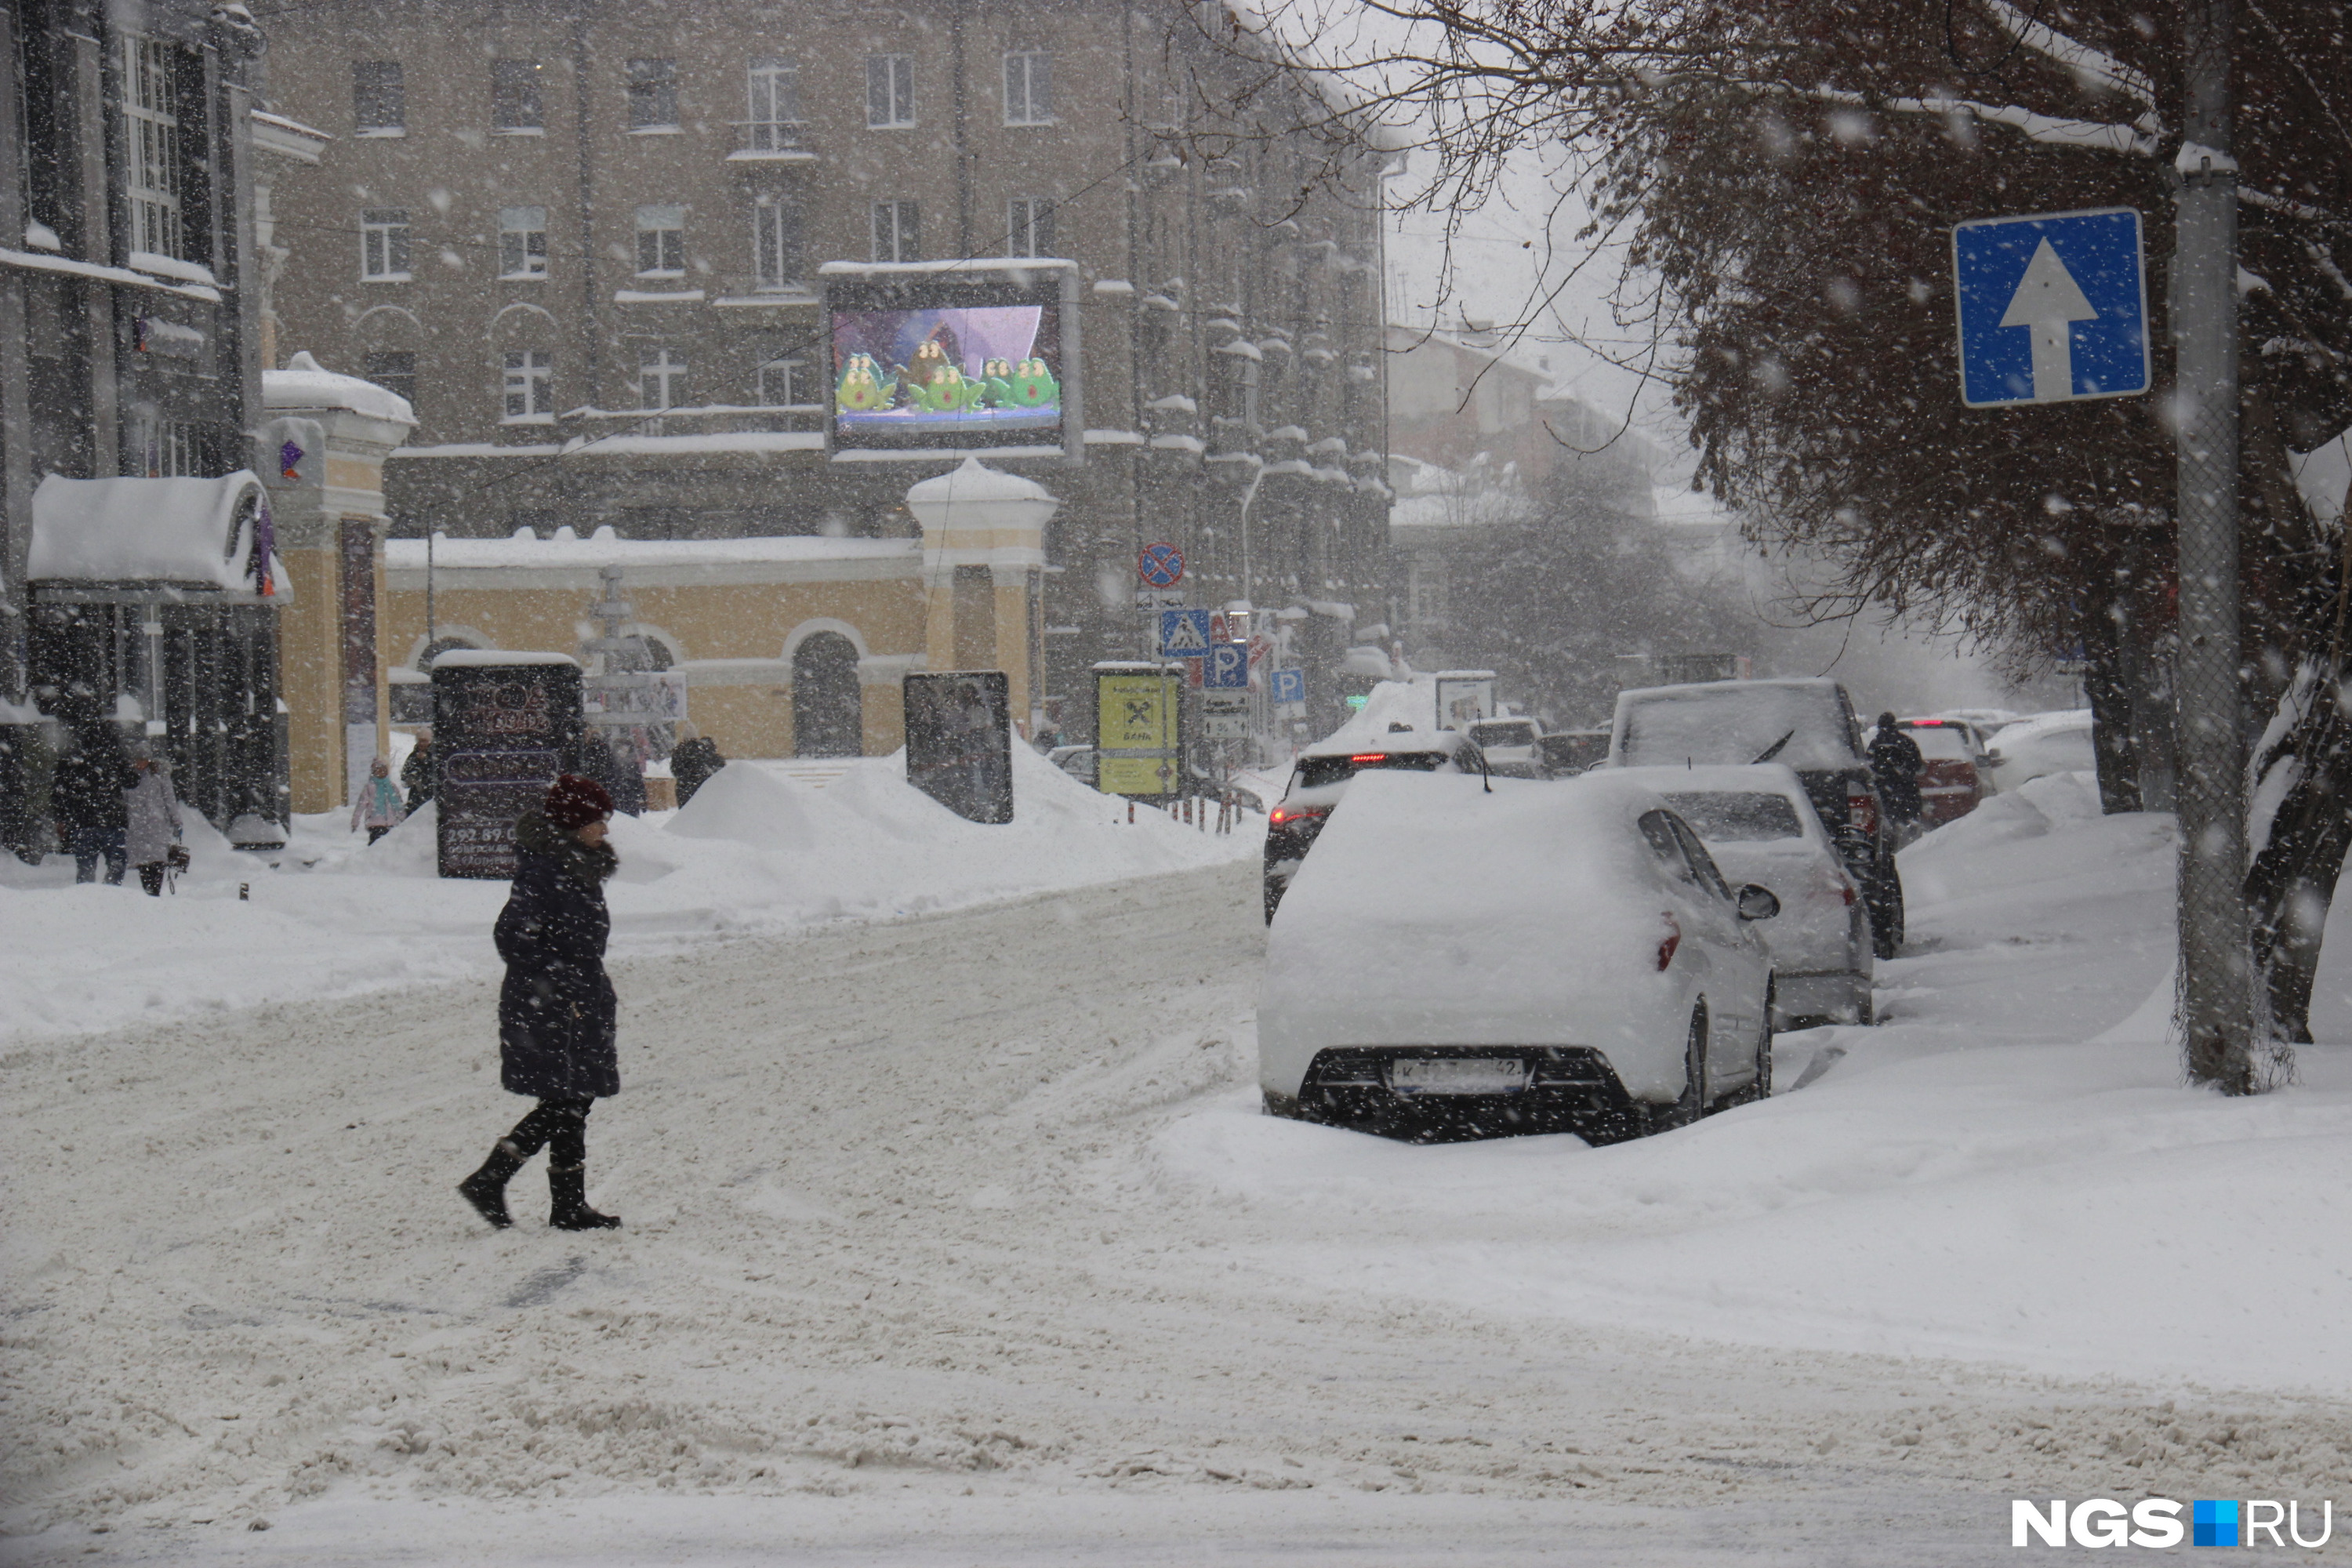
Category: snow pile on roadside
[754,852]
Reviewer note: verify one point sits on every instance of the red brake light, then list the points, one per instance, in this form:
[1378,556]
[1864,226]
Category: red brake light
[1370,757]
[1282,814]
[1923,723]
[1671,941]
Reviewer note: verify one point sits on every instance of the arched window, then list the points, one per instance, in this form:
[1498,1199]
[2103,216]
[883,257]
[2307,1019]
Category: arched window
[828,718]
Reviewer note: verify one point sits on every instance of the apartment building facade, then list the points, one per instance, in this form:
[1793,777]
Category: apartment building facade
[136,580]
[585,241]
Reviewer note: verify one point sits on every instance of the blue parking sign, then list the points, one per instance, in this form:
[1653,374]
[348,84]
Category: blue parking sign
[2052,308]
[1288,685]
[1227,669]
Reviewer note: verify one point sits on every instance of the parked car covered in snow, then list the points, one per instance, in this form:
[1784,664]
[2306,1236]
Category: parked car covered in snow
[1510,747]
[1761,826]
[1526,957]
[2044,745]
[1568,753]
[1808,725]
[1954,777]
[1320,777]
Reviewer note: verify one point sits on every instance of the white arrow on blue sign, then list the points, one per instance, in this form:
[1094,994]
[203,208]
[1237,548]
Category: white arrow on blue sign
[2053,308]
[1183,633]
[1228,667]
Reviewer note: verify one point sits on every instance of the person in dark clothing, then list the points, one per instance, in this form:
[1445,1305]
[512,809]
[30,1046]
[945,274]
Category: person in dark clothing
[417,774]
[695,760]
[556,1009]
[612,761]
[1894,764]
[86,796]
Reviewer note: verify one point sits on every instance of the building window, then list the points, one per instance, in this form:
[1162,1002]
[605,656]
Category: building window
[383,245]
[653,95]
[522,242]
[527,385]
[514,96]
[394,370]
[889,91]
[661,379]
[776,241]
[787,384]
[379,99]
[773,123]
[661,242]
[895,234]
[1029,227]
[1029,88]
[151,141]
[163,448]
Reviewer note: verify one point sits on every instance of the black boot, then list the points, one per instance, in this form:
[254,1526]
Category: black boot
[569,1186]
[486,1189]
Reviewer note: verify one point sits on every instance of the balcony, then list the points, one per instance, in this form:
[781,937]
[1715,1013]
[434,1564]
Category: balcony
[772,142]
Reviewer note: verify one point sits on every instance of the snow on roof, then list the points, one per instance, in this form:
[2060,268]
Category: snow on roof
[974,481]
[181,530]
[603,548]
[304,384]
[1679,506]
[495,657]
[962,264]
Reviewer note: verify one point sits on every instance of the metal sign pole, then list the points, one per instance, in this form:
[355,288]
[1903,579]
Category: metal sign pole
[2215,1003]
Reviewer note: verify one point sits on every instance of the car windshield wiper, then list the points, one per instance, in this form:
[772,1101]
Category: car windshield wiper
[1772,751]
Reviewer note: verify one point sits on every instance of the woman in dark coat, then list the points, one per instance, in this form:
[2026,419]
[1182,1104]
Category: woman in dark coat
[556,1008]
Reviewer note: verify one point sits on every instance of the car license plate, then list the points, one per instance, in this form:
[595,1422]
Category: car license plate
[1458,1075]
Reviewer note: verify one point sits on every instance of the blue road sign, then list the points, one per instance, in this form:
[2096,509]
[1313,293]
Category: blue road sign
[1228,667]
[1160,565]
[2053,309]
[1288,685]
[1183,633]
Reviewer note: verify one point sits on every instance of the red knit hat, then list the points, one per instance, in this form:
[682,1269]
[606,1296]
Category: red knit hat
[572,803]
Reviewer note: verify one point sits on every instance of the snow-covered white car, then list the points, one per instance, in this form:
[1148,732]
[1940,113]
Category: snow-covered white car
[1510,747]
[1761,826]
[2044,745]
[1320,778]
[1523,957]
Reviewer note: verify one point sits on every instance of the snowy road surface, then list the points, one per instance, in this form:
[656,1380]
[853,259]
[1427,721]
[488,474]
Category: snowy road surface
[958,1240]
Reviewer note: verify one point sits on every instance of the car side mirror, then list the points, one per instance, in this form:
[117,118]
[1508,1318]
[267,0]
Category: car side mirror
[1758,902]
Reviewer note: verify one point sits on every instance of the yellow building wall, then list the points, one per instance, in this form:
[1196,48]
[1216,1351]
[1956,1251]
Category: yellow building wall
[310,680]
[720,620]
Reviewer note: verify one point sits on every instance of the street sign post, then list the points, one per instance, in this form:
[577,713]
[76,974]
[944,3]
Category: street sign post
[2052,308]
[1227,667]
[1183,633]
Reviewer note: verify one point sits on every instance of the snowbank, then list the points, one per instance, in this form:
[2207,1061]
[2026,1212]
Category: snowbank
[753,852]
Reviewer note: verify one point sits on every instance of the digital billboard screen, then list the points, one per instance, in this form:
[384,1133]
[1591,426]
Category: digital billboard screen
[923,361]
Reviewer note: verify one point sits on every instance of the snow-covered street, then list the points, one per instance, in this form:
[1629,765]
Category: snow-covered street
[959,1238]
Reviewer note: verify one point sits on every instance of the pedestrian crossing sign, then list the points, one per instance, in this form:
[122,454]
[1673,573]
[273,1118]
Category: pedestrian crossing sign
[1183,633]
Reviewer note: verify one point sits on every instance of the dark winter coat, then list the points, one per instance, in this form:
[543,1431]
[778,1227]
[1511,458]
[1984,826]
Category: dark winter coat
[416,776]
[86,791]
[556,1008]
[1894,764]
[693,764]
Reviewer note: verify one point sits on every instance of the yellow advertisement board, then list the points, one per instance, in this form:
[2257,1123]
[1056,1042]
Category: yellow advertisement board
[1135,732]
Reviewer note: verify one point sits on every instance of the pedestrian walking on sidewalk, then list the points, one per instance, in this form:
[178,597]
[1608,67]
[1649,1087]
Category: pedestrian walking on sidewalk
[151,830]
[417,774]
[556,1009]
[86,796]
[695,760]
[379,808]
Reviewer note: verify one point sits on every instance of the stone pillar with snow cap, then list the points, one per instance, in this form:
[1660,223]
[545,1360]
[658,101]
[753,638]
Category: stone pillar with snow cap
[322,453]
[983,550]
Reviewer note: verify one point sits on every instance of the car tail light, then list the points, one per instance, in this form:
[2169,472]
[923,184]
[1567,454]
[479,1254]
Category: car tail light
[1369,758]
[1863,809]
[1667,943]
[1282,814]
